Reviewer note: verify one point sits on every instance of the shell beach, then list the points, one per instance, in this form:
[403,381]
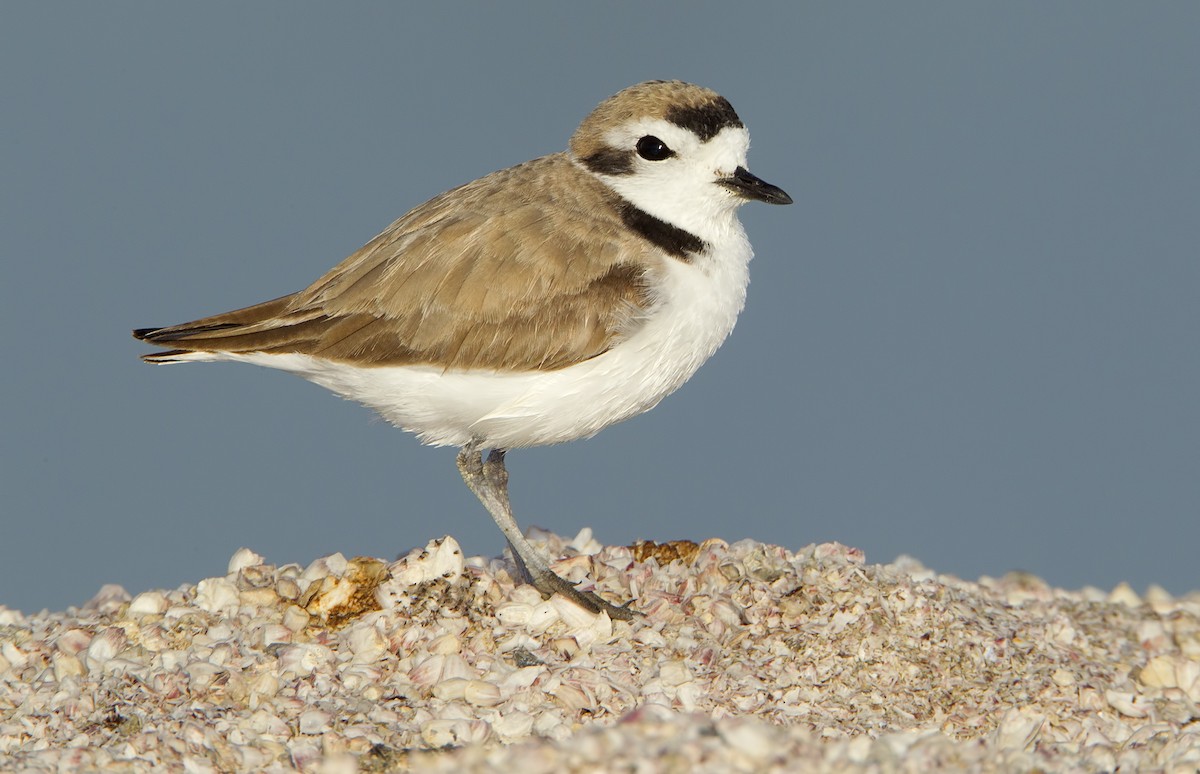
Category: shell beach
[748,657]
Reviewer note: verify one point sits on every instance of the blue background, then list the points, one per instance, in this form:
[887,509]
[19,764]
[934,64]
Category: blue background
[973,338]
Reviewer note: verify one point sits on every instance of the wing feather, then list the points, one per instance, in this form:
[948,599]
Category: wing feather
[523,269]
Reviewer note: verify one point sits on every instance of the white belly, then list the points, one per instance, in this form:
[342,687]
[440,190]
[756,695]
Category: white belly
[697,308]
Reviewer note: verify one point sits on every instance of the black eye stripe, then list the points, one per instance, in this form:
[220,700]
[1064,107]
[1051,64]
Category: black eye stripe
[609,161]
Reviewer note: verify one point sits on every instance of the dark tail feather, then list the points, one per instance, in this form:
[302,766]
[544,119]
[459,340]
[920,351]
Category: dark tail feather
[170,356]
[218,332]
[179,332]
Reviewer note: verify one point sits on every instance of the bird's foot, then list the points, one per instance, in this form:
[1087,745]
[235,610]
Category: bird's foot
[550,584]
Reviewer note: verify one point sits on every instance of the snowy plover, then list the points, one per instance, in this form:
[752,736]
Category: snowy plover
[538,304]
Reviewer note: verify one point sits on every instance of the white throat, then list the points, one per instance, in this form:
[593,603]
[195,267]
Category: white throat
[687,195]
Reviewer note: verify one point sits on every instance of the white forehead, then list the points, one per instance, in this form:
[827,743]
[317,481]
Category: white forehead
[725,151]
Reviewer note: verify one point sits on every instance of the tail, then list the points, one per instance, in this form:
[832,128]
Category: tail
[258,328]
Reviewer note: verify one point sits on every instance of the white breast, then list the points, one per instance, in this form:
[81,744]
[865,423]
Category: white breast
[698,305]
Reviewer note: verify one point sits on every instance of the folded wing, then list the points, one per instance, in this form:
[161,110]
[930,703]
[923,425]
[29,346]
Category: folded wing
[524,269]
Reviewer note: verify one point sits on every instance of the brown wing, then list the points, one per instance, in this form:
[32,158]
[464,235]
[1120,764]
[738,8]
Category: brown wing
[523,269]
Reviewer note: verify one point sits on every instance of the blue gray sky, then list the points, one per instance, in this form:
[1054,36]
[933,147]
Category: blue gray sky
[972,339]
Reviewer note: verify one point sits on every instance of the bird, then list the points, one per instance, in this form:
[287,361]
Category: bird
[533,306]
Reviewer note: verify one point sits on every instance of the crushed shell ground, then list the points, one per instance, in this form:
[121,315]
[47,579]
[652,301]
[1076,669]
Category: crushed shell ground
[747,657]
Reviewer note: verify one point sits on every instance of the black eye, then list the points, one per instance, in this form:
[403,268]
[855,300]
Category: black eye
[653,149]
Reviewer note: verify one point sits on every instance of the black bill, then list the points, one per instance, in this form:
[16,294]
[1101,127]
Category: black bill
[748,186]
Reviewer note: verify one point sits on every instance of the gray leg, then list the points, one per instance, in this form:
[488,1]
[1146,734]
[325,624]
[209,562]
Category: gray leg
[489,481]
